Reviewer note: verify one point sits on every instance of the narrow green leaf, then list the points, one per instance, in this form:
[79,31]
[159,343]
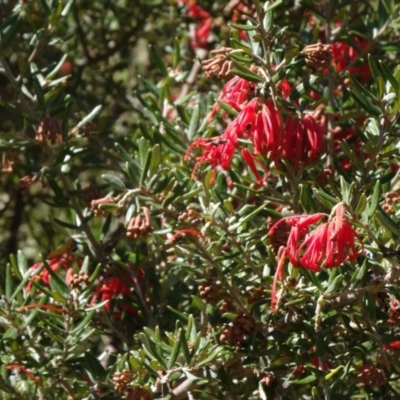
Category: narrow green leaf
[194,122]
[362,89]
[83,324]
[302,88]
[143,149]
[155,159]
[93,368]
[333,286]
[158,60]
[375,199]
[14,267]
[373,67]
[22,262]
[56,283]
[359,274]
[243,27]
[389,76]
[133,174]
[114,181]
[228,109]
[90,117]
[274,5]
[245,73]
[66,224]
[55,70]
[365,103]
[387,222]
[214,354]
[175,350]
[177,53]
[145,169]
[9,281]
[324,198]
[151,351]
[67,8]
[96,273]
[304,381]
[361,205]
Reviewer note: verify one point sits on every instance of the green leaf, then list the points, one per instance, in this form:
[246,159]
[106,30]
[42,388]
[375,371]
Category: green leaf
[56,283]
[93,368]
[76,331]
[373,67]
[155,159]
[67,8]
[228,109]
[304,381]
[177,53]
[90,117]
[151,351]
[273,5]
[14,266]
[9,281]
[175,350]
[214,354]
[194,123]
[334,285]
[302,87]
[55,70]
[325,199]
[66,224]
[158,60]
[22,263]
[114,181]
[375,199]
[366,104]
[143,149]
[362,89]
[359,274]
[387,222]
[361,205]
[10,27]
[146,167]
[243,27]
[240,70]
[389,76]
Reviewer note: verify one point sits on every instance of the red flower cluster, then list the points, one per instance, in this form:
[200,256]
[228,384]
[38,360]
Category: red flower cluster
[302,140]
[299,141]
[60,258]
[114,287]
[345,57]
[203,26]
[236,93]
[329,245]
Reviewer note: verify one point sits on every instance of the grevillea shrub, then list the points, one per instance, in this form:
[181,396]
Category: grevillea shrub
[200,199]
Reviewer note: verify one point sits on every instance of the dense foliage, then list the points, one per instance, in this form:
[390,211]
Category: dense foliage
[199,199]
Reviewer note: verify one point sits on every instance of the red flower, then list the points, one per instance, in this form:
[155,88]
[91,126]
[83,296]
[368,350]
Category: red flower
[203,27]
[302,141]
[251,162]
[260,122]
[392,346]
[236,93]
[218,151]
[114,287]
[329,245]
[345,57]
[63,261]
